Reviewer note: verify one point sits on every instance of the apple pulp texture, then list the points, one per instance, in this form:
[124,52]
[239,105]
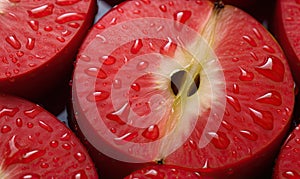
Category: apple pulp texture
[285,26]
[34,144]
[40,42]
[255,88]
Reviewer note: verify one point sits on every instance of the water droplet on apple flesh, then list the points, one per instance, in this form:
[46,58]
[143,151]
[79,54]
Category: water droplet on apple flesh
[66,2]
[249,135]
[30,176]
[169,48]
[272,68]
[163,8]
[32,113]
[54,143]
[5,129]
[142,65]
[108,60]
[80,175]
[151,133]
[13,41]
[219,140]
[262,118]
[182,16]
[45,126]
[117,83]
[136,47]
[34,25]
[272,97]
[290,174]
[250,40]
[30,43]
[6,111]
[80,157]
[136,87]
[41,11]
[70,16]
[98,96]
[234,102]
[246,75]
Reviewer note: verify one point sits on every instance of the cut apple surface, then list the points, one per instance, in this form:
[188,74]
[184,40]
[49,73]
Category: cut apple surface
[162,172]
[286,28]
[287,164]
[190,84]
[39,43]
[34,144]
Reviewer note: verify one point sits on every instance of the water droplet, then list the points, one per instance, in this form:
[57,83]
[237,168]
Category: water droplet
[169,48]
[120,10]
[70,16]
[235,59]
[66,2]
[250,40]
[142,65]
[19,53]
[60,39]
[113,21]
[117,83]
[80,157]
[151,133]
[34,25]
[219,140]
[200,2]
[234,102]
[272,68]
[85,58]
[32,155]
[254,56]
[136,47]
[136,12]
[30,176]
[19,122]
[74,25]
[246,75]
[41,11]
[48,28]
[227,125]
[163,8]
[13,41]
[257,34]
[262,118]
[5,129]
[66,146]
[236,88]
[126,137]
[11,112]
[272,97]
[135,87]
[45,126]
[100,26]
[182,16]
[44,165]
[30,125]
[30,43]
[268,49]
[80,175]
[54,143]
[108,60]
[66,33]
[66,136]
[32,113]
[98,96]
[290,174]
[146,1]
[249,135]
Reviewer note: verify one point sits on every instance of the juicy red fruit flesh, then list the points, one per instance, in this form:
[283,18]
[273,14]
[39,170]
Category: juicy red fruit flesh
[34,144]
[287,164]
[258,87]
[39,43]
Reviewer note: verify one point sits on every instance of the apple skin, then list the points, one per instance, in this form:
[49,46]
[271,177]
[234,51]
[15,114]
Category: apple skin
[284,34]
[43,81]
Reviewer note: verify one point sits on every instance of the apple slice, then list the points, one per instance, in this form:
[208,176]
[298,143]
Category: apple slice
[189,84]
[163,171]
[287,164]
[34,144]
[40,40]
[285,26]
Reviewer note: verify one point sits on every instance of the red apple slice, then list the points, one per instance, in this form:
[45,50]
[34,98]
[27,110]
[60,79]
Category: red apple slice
[34,144]
[163,171]
[288,163]
[39,42]
[185,84]
[286,28]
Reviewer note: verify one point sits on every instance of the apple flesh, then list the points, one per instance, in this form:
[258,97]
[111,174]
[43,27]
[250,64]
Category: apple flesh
[286,27]
[196,85]
[39,44]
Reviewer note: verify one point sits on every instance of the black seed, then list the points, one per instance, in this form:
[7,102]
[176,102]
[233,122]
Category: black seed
[195,86]
[177,81]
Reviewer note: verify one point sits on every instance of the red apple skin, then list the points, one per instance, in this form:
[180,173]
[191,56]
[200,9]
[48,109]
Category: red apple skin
[44,80]
[287,33]
[288,162]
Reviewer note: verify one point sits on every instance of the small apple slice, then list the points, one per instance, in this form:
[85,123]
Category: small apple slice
[287,164]
[189,84]
[164,171]
[286,29]
[34,144]
[39,42]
